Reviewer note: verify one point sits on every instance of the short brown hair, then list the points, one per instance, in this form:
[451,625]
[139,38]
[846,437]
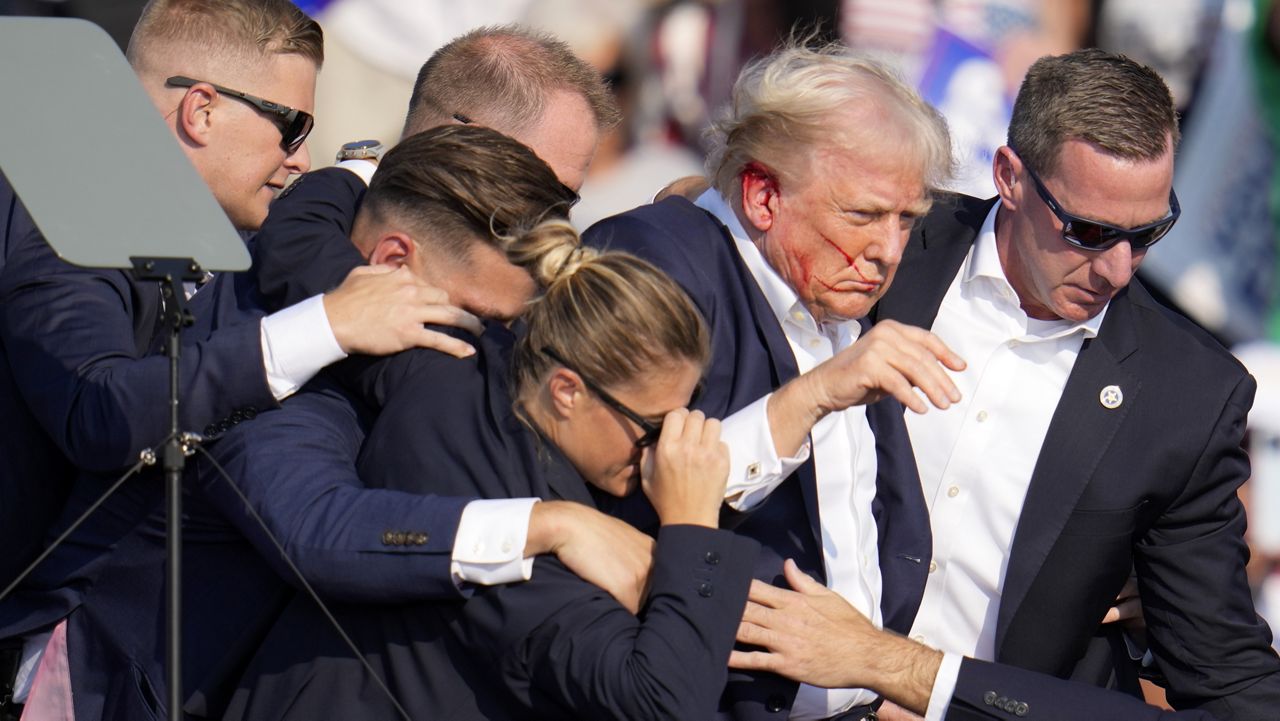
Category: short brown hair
[455,184]
[1108,100]
[501,77]
[224,30]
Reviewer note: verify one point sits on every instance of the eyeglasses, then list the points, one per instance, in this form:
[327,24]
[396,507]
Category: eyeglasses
[294,124]
[650,430]
[1093,235]
[571,196]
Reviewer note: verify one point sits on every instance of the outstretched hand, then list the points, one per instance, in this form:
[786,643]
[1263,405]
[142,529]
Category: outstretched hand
[379,311]
[890,359]
[812,635]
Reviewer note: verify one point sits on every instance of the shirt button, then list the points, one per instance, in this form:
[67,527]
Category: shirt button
[814,343]
[712,558]
[918,639]
[1015,343]
[478,549]
[775,703]
[982,416]
[706,590]
[933,566]
[506,546]
[953,491]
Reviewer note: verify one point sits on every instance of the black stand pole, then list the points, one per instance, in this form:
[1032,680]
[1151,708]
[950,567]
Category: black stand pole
[171,273]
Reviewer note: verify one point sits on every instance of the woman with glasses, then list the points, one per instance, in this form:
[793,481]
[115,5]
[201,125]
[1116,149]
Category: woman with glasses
[581,399]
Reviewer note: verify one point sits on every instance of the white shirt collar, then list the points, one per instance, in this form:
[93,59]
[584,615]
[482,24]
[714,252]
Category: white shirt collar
[983,261]
[782,299]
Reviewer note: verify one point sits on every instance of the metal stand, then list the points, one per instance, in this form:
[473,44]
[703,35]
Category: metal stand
[171,273]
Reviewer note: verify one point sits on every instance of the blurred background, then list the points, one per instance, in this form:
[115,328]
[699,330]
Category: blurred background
[672,64]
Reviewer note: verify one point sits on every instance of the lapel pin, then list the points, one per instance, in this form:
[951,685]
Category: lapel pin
[1111,397]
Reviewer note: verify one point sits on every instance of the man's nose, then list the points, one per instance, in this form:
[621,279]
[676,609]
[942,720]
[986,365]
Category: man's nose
[299,161]
[1116,264]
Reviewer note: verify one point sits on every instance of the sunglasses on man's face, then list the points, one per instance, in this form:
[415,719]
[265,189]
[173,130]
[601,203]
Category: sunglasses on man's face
[294,124]
[649,430]
[1093,235]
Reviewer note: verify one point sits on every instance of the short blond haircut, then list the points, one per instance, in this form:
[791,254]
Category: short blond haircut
[235,33]
[802,99]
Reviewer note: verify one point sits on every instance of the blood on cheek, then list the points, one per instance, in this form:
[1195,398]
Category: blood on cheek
[848,259]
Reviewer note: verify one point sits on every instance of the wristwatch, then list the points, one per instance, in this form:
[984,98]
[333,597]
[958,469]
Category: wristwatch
[361,150]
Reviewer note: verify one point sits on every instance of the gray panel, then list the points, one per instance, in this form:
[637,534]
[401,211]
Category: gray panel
[93,162]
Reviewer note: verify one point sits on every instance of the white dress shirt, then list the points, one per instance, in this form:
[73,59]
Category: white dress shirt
[976,458]
[844,451]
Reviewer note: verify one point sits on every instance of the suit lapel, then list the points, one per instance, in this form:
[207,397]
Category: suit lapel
[1079,433]
[783,367]
[931,260]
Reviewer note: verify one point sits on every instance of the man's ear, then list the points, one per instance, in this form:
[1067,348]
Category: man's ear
[761,191]
[194,116]
[394,249]
[565,390]
[1006,167]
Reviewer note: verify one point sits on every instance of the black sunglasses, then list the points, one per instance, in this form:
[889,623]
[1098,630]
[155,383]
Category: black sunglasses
[650,430]
[294,124]
[1092,235]
[571,196]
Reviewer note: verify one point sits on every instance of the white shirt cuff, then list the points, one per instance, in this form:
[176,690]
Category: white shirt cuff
[944,687]
[754,466]
[363,168]
[296,343]
[489,546]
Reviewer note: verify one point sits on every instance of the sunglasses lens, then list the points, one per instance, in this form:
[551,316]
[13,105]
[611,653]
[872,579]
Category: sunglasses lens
[297,131]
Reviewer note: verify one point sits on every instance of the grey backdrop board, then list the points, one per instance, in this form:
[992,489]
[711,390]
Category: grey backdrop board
[92,160]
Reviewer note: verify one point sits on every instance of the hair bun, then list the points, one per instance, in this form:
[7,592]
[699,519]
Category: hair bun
[551,251]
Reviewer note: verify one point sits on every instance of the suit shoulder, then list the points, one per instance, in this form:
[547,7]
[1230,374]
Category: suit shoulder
[673,227]
[1173,333]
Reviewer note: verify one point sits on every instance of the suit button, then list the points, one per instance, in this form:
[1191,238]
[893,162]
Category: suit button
[1021,709]
[250,413]
[388,538]
[419,539]
[211,429]
[705,590]
[712,558]
[775,703]
[989,698]
[401,537]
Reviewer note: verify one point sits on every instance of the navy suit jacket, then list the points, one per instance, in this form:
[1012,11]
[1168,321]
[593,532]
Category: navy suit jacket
[1149,485]
[304,247]
[81,348]
[750,357]
[553,647]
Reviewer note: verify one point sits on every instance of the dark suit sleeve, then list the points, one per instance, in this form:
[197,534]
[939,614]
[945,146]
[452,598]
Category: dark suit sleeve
[986,691]
[70,335]
[568,650]
[304,248]
[296,465]
[1209,643]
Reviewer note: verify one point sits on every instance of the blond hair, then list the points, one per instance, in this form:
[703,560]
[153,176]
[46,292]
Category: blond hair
[615,317]
[803,98]
[236,33]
